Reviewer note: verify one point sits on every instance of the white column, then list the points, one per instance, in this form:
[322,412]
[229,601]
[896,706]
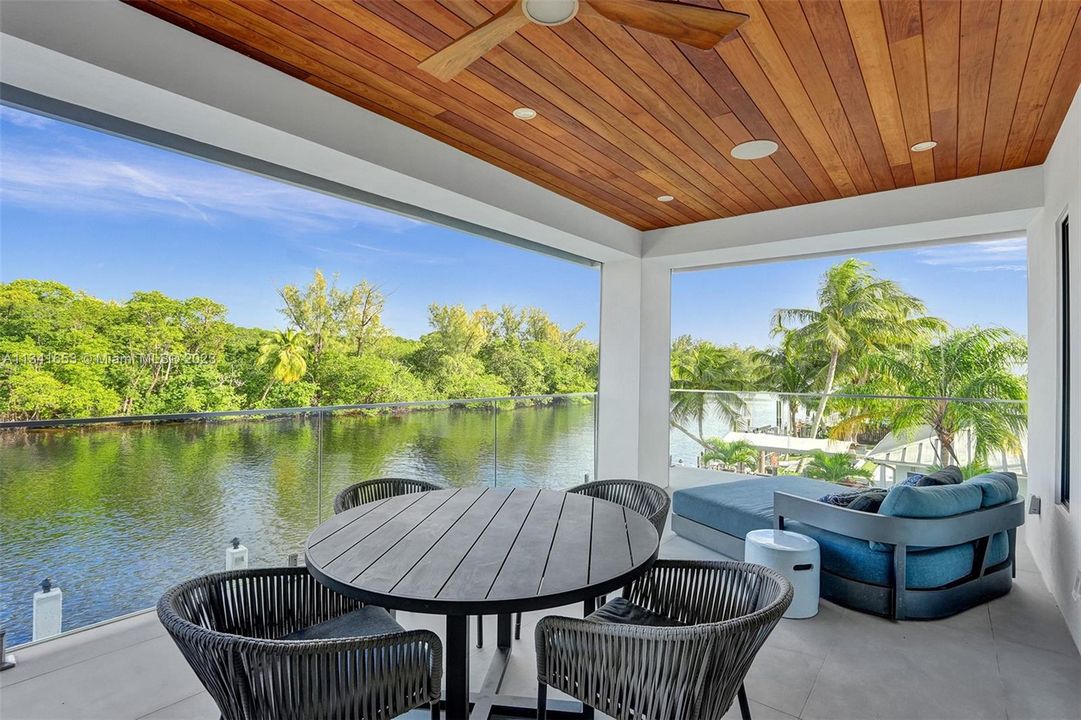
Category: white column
[632,431]
[655,372]
[617,410]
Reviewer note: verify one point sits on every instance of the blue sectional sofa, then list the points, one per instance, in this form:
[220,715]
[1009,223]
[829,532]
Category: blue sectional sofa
[953,545]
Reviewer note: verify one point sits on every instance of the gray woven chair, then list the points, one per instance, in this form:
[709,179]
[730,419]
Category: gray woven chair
[230,627]
[642,497]
[378,489]
[681,649]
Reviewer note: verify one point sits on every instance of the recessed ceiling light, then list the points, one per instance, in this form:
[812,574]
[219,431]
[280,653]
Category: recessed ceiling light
[924,146]
[665,198]
[524,113]
[754,149]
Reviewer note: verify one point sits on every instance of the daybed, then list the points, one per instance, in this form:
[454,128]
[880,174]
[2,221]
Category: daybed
[953,545]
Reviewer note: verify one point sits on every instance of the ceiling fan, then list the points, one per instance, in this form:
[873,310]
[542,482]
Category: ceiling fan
[691,24]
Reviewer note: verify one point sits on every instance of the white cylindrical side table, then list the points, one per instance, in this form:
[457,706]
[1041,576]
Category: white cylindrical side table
[793,555]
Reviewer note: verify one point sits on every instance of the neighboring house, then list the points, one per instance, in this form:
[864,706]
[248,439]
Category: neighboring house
[914,452]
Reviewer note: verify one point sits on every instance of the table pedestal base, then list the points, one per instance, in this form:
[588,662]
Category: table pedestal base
[460,704]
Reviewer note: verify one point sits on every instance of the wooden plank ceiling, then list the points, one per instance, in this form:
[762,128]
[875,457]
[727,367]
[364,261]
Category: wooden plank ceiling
[845,87]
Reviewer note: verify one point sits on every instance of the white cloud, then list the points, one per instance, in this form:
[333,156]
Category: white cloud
[23,118]
[983,256]
[56,181]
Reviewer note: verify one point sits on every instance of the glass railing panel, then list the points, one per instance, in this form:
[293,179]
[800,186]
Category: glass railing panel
[884,438]
[113,514]
[115,510]
[547,442]
[450,443]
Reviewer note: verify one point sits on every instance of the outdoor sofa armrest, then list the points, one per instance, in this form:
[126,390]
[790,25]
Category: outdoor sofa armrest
[921,532]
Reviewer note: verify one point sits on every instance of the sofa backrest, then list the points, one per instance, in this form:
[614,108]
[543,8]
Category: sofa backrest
[997,487]
[932,501]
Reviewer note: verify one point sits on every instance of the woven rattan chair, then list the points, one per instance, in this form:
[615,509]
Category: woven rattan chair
[689,633]
[230,627]
[642,497]
[379,489]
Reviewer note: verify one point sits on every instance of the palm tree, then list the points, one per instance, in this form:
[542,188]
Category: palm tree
[735,454]
[978,364]
[704,366]
[838,468]
[783,371]
[288,351]
[858,313]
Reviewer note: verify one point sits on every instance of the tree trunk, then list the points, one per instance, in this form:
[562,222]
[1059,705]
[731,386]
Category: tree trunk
[689,434]
[945,444]
[825,395]
[266,392]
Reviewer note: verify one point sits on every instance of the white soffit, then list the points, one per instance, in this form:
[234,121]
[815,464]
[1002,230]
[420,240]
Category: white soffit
[1002,202]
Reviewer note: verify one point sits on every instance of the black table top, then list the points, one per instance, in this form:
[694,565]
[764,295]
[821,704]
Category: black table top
[481,551]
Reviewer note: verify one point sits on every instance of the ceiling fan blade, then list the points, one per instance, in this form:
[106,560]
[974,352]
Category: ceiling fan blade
[691,24]
[461,53]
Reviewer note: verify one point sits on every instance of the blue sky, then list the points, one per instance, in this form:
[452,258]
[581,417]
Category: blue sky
[111,216]
[981,283]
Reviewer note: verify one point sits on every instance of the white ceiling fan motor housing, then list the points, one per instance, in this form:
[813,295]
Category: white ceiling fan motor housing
[550,12]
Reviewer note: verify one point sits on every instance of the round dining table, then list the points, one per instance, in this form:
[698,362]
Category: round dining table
[481,551]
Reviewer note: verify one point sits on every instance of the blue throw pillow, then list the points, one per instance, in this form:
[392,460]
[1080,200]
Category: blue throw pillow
[912,479]
[997,487]
[932,501]
[949,475]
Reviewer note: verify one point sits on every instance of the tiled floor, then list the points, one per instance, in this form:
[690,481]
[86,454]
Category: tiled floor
[1010,660]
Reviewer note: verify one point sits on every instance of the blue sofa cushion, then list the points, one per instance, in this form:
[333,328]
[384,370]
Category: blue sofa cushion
[930,568]
[931,501]
[997,487]
[738,507]
[949,475]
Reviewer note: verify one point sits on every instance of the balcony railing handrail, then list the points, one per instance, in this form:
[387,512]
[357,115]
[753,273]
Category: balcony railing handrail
[853,396]
[132,419]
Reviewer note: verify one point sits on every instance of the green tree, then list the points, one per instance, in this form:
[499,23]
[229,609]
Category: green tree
[286,353]
[858,313]
[785,372]
[735,454]
[698,366]
[980,364]
[838,468]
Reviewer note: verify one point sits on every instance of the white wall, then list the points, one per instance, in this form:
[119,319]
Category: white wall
[1054,536]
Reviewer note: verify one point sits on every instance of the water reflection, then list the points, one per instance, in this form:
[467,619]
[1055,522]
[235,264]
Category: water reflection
[114,515]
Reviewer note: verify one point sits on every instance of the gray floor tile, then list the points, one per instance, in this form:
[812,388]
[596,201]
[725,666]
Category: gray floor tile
[120,685]
[811,636]
[196,707]
[758,712]
[76,647]
[1030,616]
[907,671]
[782,679]
[1040,685]
[680,548]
